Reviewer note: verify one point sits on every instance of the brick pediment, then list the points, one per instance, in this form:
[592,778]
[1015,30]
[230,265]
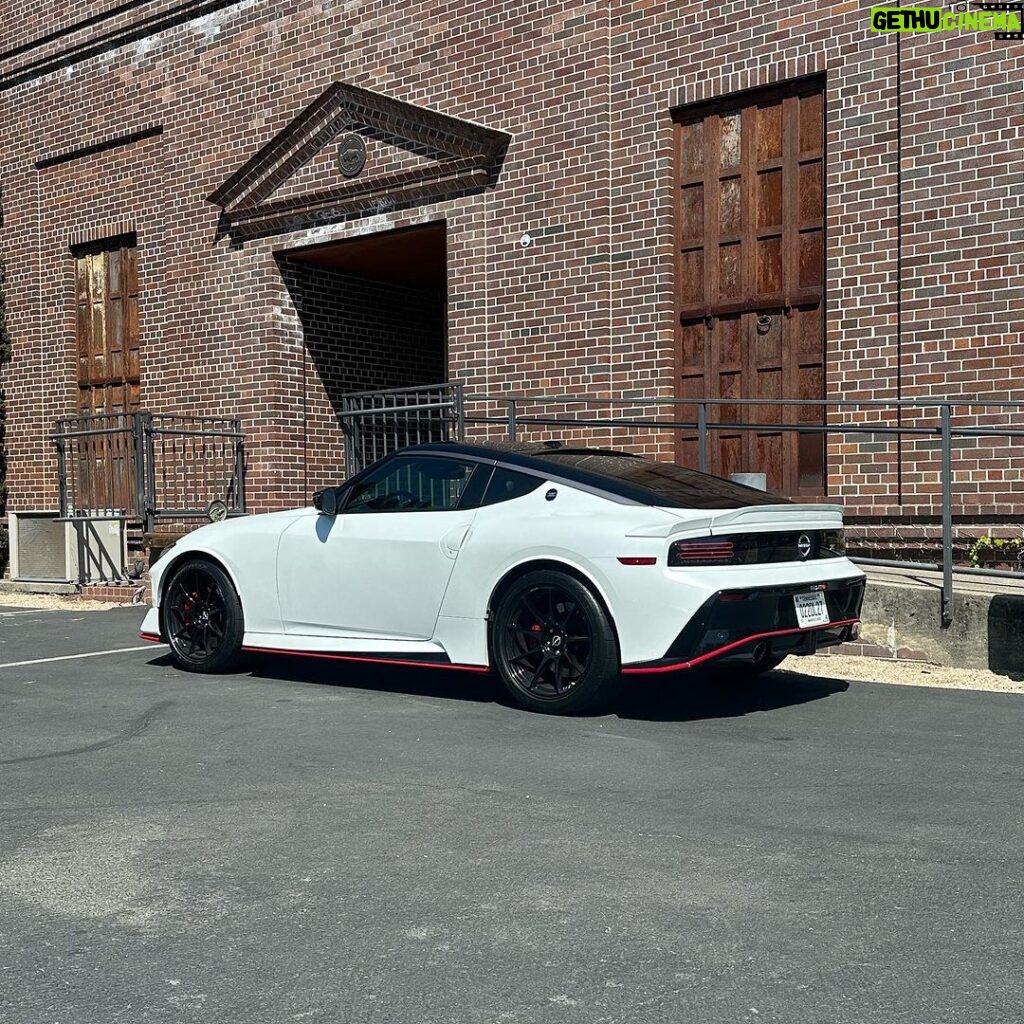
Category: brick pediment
[387,155]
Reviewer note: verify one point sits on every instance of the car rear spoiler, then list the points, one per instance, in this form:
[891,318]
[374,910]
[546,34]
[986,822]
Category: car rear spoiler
[755,519]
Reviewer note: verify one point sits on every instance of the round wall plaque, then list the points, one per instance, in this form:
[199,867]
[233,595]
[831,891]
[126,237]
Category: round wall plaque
[351,155]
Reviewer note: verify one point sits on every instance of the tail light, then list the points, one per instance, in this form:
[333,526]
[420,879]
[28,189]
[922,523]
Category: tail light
[702,551]
[758,548]
[833,544]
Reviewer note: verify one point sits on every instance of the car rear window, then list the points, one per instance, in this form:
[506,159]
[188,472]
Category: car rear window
[507,484]
[658,483]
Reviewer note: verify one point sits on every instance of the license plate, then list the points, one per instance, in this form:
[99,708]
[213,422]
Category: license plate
[810,609]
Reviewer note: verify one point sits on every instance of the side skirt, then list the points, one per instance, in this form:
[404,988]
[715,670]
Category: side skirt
[406,659]
[426,661]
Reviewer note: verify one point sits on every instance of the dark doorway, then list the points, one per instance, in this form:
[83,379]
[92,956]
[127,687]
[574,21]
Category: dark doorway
[373,312]
[749,276]
[373,309]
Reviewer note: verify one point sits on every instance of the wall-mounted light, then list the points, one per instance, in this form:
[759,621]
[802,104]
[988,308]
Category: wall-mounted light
[526,239]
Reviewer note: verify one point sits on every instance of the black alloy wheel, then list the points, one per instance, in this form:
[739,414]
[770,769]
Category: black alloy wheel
[553,646]
[202,617]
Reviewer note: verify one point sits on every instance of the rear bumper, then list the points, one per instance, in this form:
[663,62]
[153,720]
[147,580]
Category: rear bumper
[755,624]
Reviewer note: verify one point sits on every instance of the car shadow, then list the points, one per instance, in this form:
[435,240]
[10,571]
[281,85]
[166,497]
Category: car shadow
[709,693]
[674,697]
[443,683]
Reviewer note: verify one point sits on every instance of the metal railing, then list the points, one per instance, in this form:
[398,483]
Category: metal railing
[144,466]
[513,415]
[375,423]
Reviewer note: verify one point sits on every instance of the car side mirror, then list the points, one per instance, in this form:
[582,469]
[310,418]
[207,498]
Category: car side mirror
[326,501]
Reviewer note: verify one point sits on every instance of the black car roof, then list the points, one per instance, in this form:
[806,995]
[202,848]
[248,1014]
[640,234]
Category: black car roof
[617,474]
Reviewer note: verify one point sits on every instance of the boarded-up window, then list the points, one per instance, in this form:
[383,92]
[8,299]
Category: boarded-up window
[107,302]
[750,276]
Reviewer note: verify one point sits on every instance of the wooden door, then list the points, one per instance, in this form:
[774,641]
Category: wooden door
[750,278]
[107,297]
[107,329]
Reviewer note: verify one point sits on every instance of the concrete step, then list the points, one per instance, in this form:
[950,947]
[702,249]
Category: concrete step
[26,587]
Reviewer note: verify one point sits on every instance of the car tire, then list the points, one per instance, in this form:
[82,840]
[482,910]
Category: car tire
[202,617]
[553,646]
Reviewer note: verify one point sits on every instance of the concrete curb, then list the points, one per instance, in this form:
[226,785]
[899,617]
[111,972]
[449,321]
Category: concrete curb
[901,621]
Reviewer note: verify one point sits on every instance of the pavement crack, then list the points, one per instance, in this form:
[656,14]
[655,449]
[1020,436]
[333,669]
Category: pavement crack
[136,726]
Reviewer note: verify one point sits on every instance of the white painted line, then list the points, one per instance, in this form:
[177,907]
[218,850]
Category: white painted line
[72,657]
[27,611]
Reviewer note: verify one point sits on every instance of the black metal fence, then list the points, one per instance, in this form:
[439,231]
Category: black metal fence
[375,423]
[143,467]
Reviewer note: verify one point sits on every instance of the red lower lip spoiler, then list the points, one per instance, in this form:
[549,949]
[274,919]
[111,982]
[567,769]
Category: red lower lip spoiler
[151,637]
[678,666]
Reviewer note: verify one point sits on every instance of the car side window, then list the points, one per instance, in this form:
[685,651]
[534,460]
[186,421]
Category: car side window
[413,484]
[507,484]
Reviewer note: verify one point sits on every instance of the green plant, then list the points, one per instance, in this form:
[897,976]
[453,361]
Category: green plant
[998,549]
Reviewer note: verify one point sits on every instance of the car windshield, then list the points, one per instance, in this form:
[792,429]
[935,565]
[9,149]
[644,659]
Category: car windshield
[658,483]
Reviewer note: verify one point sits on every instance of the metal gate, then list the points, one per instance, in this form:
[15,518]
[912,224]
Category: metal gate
[376,423]
[142,467]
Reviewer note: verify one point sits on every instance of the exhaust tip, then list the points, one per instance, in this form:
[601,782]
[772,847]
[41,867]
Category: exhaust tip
[759,653]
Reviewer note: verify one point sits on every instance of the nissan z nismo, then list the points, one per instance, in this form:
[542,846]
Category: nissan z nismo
[566,571]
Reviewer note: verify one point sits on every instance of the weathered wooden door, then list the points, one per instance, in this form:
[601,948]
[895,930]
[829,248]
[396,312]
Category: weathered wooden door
[749,280]
[107,296]
[107,328]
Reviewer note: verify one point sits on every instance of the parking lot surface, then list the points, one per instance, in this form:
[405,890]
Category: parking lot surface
[306,841]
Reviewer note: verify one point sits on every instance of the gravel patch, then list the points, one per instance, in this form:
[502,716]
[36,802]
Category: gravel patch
[58,602]
[902,673]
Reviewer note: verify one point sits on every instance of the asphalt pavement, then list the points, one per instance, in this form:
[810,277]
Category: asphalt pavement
[304,841]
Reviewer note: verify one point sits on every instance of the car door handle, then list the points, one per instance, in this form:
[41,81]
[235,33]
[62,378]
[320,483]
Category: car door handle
[452,541]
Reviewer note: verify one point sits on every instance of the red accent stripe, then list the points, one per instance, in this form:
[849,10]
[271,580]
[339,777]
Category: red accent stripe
[451,666]
[680,665]
[151,637]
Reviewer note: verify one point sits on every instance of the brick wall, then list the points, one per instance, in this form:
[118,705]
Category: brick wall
[585,90]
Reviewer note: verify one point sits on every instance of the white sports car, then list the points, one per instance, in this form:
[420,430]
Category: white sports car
[561,569]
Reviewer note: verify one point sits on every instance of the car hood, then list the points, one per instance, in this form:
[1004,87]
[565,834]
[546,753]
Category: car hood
[213,534]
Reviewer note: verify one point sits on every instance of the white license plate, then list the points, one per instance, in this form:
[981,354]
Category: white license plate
[810,609]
